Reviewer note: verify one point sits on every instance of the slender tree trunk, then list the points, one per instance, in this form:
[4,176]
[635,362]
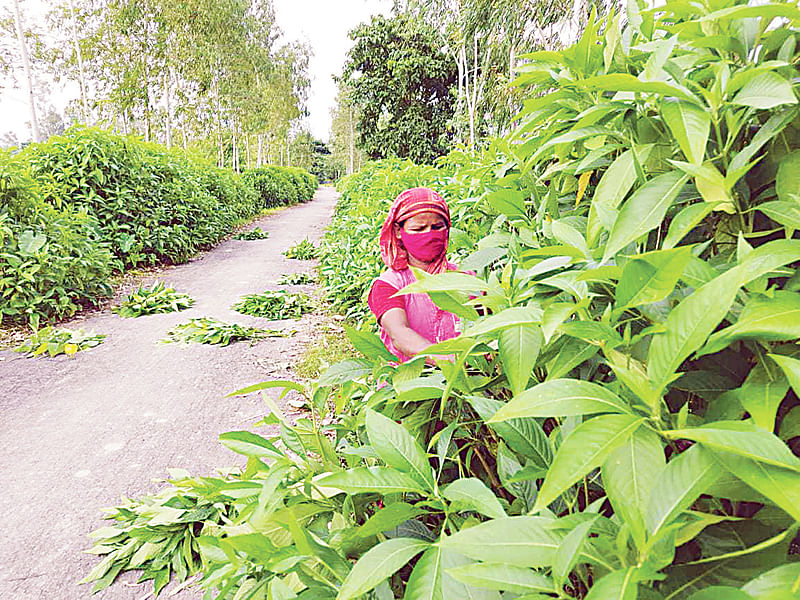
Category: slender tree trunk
[247,148]
[352,141]
[23,48]
[168,123]
[79,55]
[260,150]
[234,150]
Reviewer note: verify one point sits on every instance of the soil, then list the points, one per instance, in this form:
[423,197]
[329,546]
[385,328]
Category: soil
[77,434]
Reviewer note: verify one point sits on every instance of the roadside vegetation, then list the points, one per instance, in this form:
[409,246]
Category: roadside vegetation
[621,417]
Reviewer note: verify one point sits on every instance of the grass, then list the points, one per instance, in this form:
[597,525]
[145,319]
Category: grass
[331,347]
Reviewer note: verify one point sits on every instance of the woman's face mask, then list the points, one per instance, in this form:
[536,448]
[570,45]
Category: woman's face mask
[425,246]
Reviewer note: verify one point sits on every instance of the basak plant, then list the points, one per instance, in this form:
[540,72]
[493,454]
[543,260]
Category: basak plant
[620,418]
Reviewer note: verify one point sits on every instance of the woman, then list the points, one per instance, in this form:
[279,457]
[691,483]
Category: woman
[414,234]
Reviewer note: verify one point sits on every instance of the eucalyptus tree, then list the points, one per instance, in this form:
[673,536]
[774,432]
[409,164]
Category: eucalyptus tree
[26,64]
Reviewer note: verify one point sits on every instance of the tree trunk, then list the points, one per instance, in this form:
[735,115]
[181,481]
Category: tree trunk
[247,148]
[79,55]
[352,142]
[37,136]
[168,123]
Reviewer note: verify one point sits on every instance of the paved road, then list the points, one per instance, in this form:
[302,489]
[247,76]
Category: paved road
[78,434]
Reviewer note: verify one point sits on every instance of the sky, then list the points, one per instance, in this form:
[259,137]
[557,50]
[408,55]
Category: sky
[321,23]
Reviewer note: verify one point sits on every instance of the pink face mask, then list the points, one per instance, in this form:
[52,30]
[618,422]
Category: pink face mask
[427,246]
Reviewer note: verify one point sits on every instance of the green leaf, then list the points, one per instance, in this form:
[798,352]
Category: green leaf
[717,592]
[743,439]
[686,220]
[503,577]
[452,588]
[612,188]
[791,368]
[425,582]
[740,163]
[710,183]
[344,371]
[651,277]
[787,213]
[250,444]
[398,449]
[508,202]
[780,485]
[787,180]
[510,317]
[689,123]
[369,344]
[766,90]
[388,518]
[524,436]
[630,473]
[644,210]
[444,282]
[277,383]
[472,494]
[379,563]
[780,583]
[561,398]
[570,549]
[617,585]
[765,319]
[685,477]
[518,541]
[30,243]
[623,82]
[519,348]
[382,480]
[584,449]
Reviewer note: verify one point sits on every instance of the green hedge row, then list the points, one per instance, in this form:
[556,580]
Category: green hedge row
[83,205]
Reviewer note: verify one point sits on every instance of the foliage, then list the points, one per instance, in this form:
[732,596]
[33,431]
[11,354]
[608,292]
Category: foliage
[302,250]
[401,83]
[623,410]
[157,298]
[281,186]
[274,305]
[52,261]
[331,347]
[207,330]
[297,279]
[59,341]
[256,233]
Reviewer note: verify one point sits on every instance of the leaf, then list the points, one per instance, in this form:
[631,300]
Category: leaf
[452,588]
[379,563]
[425,581]
[630,473]
[398,449]
[29,243]
[623,82]
[369,344]
[517,541]
[250,444]
[651,277]
[508,202]
[716,592]
[791,368]
[787,213]
[503,577]
[686,220]
[780,583]
[763,318]
[781,486]
[382,480]
[762,393]
[584,449]
[278,383]
[561,398]
[787,180]
[519,348]
[388,518]
[689,123]
[569,550]
[710,183]
[510,317]
[766,90]
[617,585]
[344,371]
[444,282]
[473,494]
[612,188]
[644,210]
[524,436]
[773,126]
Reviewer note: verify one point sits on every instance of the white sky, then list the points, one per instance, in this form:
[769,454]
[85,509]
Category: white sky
[321,23]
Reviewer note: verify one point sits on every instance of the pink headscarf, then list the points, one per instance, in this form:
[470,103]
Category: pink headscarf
[409,203]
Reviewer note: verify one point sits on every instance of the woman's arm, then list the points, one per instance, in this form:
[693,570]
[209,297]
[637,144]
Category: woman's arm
[405,339]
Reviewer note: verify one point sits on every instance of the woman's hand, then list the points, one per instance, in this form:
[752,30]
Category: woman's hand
[405,339]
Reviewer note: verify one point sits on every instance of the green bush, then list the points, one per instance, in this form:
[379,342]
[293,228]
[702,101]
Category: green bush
[281,186]
[52,262]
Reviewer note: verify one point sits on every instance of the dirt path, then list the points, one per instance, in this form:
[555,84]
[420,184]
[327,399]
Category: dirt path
[78,434]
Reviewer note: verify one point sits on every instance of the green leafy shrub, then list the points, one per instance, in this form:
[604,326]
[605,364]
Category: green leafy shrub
[297,279]
[274,305]
[302,250]
[281,186]
[52,262]
[622,419]
[252,234]
[207,330]
[59,341]
[157,298]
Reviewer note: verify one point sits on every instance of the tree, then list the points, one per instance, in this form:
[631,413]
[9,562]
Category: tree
[402,82]
[346,157]
[26,64]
